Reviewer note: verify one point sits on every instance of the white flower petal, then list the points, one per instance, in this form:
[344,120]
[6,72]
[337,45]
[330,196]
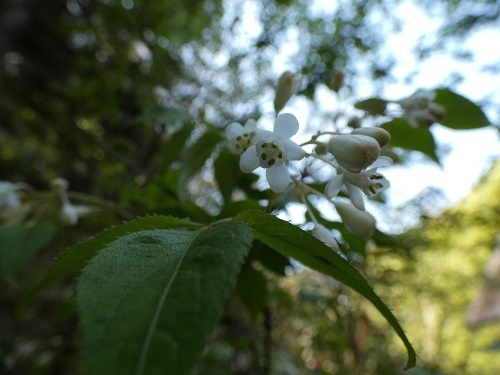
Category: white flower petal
[286,125]
[334,185]
[356,195]
[233,130]
[250,126]
[278,178]
[262,134]
[249,160]
[293,151]
[382,161]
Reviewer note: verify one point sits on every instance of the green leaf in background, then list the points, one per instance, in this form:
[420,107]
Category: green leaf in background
[164,115]
[461,113]
[374,106]
[300,245]
[17,243]
[252,290]
[404,136]
[227,172]
[196,156]
[172,148]
[75,259]
[151,298]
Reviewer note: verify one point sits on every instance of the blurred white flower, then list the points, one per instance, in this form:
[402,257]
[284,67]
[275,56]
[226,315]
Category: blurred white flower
[420,111]
[369,182]
[324,235]
[270,150]
[288,85]
[71,213]
[10,203]
[356,221]
[240,137]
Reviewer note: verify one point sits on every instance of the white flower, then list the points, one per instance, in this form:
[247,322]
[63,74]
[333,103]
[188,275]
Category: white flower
[325,236]
[272,149]
[356,221]
[240,137]
[10,203]
[369,182]
[70,213]
[419,109]
[288,85]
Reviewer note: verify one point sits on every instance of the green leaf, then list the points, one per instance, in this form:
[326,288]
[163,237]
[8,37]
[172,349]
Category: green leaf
[461,113]
[167,114]
[374,106]
[17,243]
[149,300]
[196,156]
[227,172]
[252,290]
[404,136]
[75,259]
[300,245]
[269,258]
[172,148]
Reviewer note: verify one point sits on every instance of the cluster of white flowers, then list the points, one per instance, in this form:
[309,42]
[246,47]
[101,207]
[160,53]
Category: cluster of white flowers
[419,109]
[355,158]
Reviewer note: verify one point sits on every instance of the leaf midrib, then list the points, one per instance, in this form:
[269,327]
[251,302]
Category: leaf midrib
[154,321]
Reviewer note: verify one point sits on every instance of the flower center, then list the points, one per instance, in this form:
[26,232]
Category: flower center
[242,142]
[270,153]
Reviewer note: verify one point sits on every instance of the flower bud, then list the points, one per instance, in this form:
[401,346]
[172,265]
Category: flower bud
[325,236]
[354,122]
[382,136]
[354,152]
[321,149]
[288,85]
[358,222]
[336,80]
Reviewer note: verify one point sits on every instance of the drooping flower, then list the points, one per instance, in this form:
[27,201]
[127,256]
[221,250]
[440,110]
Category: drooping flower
[71,213]
[369,182]
[324,235]
[271,150]
[354,152]
[356,221]
[240,137]
[288,86]
[420,110]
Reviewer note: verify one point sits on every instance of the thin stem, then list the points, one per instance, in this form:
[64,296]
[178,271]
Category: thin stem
[324,160]
[308,207]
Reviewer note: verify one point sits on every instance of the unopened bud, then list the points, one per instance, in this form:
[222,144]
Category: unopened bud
[288,85]
[354,122]
[354,152]
[321,149]
[336,80]
[382,136]
[325,236]
[356,221]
